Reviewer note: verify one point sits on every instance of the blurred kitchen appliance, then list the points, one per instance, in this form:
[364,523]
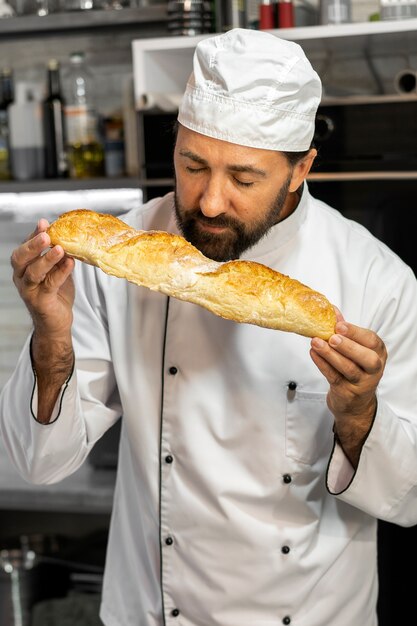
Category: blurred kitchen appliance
[156,144]
[25,580]
[406,81]
[367,165]
[359,134]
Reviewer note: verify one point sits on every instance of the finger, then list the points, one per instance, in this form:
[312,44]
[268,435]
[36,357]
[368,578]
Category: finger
[331,375]
[37,272]
[344,366]
[369,360]
[41,227]
[349,358]
[339,316]
[59,274]
[349,339]
[363,336]
[28,252]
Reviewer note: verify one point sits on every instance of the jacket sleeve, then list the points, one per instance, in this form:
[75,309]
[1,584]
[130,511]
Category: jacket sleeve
[385,482]
[87,404]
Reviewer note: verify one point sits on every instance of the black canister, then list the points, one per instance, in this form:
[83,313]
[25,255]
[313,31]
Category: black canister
[18,588]
[25,580]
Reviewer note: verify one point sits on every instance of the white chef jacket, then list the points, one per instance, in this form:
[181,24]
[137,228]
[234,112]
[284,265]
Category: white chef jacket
[233,505]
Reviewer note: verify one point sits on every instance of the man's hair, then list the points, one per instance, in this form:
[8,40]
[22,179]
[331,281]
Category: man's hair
[294,157]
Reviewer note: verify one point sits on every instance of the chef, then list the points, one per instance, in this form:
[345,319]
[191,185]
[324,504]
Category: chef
[253,463]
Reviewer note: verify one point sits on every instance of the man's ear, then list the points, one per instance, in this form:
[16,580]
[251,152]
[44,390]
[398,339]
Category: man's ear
[302,169]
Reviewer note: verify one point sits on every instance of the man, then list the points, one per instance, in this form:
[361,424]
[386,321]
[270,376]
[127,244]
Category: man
[253,463]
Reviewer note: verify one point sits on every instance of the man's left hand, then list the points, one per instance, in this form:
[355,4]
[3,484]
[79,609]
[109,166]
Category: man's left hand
[353,361]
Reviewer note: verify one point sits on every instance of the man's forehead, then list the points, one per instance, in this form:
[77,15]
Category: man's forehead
[201,148]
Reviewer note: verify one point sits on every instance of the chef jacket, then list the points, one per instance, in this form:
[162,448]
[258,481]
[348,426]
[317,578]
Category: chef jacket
[233,504]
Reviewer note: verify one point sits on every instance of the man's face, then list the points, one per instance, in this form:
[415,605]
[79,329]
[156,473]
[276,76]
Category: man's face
[228,196]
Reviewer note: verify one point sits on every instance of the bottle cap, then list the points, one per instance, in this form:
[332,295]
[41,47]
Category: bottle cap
[53,64]
[77,57]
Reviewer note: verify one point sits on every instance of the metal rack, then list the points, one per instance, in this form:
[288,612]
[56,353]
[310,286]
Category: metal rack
[142,20]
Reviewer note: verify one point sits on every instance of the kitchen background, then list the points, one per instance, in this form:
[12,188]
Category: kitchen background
[60,531]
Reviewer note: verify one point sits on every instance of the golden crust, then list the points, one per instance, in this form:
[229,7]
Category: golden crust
[243,291]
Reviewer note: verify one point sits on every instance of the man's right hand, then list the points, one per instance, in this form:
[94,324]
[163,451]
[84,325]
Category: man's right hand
[43,279]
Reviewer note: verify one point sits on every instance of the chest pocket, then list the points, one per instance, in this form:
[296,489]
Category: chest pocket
[308,426]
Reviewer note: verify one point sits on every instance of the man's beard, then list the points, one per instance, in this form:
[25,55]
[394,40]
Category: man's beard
[237,237]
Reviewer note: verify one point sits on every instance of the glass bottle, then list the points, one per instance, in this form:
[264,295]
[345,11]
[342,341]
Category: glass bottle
[391,10]
[56,162]
[6,98]
[84,145]
[6,10]
[27,149]
[189,17]
[230,14]
[335,11]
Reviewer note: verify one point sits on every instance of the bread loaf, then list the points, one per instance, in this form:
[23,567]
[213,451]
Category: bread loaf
[243,291]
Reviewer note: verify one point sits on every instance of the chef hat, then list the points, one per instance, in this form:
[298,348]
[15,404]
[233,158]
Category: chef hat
[254,89]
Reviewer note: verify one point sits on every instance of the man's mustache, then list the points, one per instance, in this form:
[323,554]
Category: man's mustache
[221,221]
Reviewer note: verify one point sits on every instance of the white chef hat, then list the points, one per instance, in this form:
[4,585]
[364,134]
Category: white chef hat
[254,89]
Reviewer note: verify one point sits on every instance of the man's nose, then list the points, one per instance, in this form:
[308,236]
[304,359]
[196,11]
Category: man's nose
[213,200]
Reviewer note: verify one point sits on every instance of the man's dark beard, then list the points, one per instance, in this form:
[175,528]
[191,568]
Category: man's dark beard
[237,238]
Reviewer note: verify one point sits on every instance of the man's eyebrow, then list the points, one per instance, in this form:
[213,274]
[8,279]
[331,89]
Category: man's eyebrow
[249,169]
[193,157]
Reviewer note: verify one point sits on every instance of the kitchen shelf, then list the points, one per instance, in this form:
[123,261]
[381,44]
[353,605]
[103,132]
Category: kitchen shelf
[354,33]
[68,184]
[386,37]
[139,19]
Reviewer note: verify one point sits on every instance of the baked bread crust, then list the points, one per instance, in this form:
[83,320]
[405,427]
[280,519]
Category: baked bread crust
[243,291]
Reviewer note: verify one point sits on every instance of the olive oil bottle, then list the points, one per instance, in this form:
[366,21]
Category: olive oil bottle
[85,149]
[6,98]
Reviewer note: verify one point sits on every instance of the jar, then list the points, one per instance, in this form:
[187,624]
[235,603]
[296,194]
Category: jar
[335,11]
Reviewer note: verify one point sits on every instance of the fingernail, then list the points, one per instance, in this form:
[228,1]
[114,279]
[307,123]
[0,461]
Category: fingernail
[342,328]
[335,340]
[317,342]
